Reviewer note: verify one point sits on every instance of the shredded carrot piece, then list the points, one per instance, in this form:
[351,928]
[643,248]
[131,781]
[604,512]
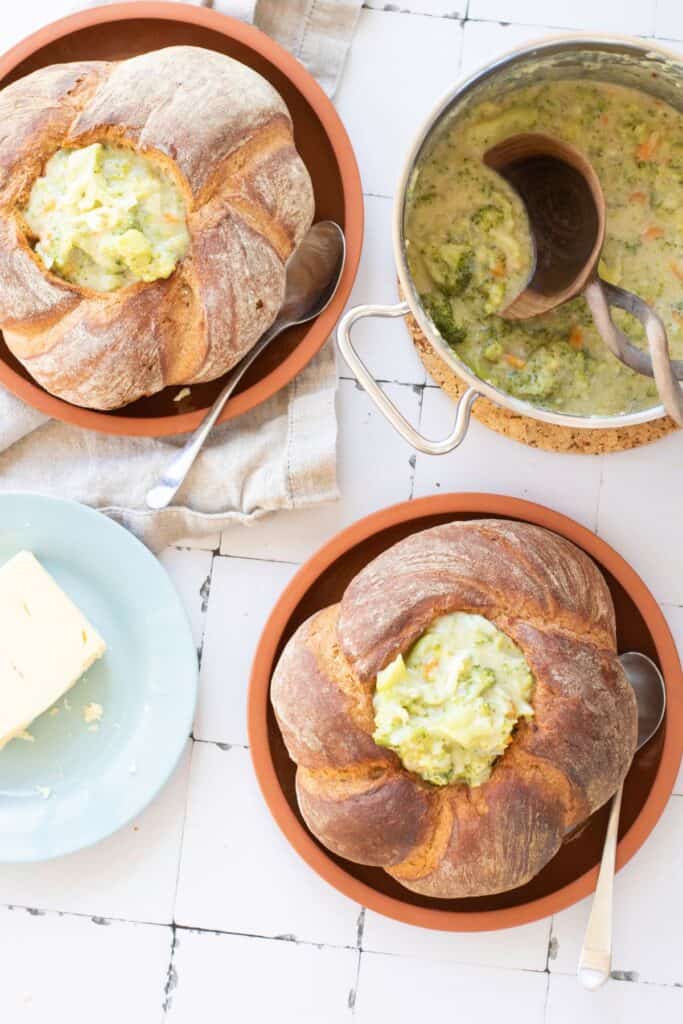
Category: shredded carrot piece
[637,197]
[646,150]
[516,362]
[576,337]
[649,234]
[170,218]
[498,269]
[677,270]
[604,119]
[429,667]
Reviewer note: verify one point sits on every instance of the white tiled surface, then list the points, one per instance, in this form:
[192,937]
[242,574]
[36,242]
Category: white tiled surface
[287,982]
[669,19]
[237,873]
[489,462]
[485,949]
[412,990]
[63,968]
[206,858]
[568,1003]
[243,592]
[636,17]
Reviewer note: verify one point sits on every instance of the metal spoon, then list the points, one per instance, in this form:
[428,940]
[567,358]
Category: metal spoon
[567,213]
[313,273]
[595,961]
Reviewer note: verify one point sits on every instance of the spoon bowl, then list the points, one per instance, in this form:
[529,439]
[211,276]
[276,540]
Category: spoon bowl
[566,210]
[648,686]
[566,207]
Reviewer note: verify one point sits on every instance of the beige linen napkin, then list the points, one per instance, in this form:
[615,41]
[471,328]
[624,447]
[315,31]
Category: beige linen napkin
[279,456]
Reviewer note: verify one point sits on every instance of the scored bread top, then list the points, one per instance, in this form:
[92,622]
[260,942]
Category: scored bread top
[226,136]
[564,763]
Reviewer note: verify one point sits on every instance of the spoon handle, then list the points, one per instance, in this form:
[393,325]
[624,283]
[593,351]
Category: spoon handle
[173,476]
[595,961]
[657,363]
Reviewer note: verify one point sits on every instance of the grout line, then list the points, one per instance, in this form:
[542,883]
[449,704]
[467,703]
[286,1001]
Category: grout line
[186,805]
[655,17]
[546,1000]
[175,928]
[385,380]
[621,978]
[95,918]
[194,929]
[360,928]
[259,558]
[551,951]
[394,8]
[205,595]
[377,195]
[221,744]
[549,27]
[353,994]
[599,495]
[194,547]
[171,975]
[413,457]
[478,964]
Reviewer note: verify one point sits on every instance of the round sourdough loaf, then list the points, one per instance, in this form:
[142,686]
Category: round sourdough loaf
[225,135]
[561,765]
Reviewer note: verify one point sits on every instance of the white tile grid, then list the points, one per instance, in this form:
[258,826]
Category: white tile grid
[224,914]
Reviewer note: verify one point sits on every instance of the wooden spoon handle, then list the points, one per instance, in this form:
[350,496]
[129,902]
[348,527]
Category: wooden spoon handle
[658,364]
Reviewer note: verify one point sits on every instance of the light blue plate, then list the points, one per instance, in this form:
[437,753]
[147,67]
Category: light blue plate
[97,778]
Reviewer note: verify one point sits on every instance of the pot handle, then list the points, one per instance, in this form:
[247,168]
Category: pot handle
[600,295]
[383,403]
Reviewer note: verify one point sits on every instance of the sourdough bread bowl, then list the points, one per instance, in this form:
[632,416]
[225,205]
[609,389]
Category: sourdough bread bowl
[452,782]
[101,299]
[119,31]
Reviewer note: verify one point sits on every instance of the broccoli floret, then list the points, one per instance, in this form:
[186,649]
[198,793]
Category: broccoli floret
[493,352]
[440,310]
[551,368]
[489,216]
[451,267]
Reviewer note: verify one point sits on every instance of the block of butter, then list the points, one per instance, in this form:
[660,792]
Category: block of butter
[46,644]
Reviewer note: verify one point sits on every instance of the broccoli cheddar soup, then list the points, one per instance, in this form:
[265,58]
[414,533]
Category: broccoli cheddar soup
[469,250]
[105,216]
[448,709]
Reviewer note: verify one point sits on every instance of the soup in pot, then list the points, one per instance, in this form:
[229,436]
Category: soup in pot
[469,250]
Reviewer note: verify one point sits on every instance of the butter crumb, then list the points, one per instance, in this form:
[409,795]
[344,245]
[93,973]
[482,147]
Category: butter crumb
[25,735]
[92,712]
[54,711]
[183,393]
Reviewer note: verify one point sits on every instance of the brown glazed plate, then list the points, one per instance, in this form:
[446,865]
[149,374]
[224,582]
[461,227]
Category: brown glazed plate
[123,30]
[572,873]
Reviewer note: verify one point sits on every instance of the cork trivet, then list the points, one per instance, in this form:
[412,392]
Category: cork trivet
[536,433]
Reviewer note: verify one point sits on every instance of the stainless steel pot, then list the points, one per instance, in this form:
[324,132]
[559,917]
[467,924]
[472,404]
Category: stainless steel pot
[624,61]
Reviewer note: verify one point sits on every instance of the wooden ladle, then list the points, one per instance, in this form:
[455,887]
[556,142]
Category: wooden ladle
[566,211]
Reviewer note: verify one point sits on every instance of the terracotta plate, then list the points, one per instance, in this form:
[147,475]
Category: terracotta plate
[123,30]
[572,873]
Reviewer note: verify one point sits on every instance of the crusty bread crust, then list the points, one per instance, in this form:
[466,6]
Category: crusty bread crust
[226,136]
[563,764]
